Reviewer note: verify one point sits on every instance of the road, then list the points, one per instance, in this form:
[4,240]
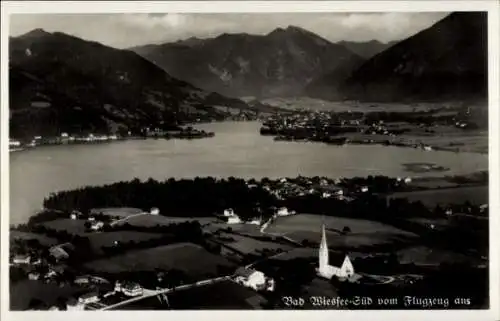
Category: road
[152,293]
[127,217]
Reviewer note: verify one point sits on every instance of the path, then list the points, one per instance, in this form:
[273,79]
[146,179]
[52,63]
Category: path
[127,217]
[152,293]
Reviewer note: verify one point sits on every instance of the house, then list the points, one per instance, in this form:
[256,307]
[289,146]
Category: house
[89,298]
[82,280]
[22,259]
[250,278]
[34,276]
[326,195]
[283,211]
[364,189]
[97,225]
[73,216]
[58,252]
[155,211]
[255,221]
[229,212]
[131,289]
[235,219]
[407,180]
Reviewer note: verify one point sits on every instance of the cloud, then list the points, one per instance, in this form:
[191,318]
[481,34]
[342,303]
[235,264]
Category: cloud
[126,30]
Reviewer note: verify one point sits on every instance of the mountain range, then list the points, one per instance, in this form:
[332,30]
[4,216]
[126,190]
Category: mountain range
[63,83]
[366,49]
[447,61]
[280,63]
[60,82]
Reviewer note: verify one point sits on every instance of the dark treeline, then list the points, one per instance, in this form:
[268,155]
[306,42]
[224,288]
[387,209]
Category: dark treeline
[200,197]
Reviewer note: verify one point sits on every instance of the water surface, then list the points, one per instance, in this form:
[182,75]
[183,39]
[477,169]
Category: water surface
[236,150]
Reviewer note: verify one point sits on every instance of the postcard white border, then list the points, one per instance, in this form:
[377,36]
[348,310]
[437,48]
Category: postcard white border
[39,7]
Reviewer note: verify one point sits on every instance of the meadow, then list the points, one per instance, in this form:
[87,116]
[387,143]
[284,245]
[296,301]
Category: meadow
[108,239]
[75,227]
[477,195]
[249,245]
[190,258]
[153,220]
[44,240]
[116,211]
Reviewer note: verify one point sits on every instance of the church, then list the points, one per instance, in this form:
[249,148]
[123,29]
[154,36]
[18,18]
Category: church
[328,271]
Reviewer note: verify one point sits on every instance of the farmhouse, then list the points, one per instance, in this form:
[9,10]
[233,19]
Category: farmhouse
[251,278]
[283,211]
[22,259]
[235,219]
[229,212]
[89,298]
[155,211]
[97,225]
[255,221]
[328,271]
[58,252]
[131,289]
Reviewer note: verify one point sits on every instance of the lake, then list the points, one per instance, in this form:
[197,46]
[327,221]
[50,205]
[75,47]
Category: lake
[236,150]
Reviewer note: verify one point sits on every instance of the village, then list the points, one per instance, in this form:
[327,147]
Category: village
[87,256]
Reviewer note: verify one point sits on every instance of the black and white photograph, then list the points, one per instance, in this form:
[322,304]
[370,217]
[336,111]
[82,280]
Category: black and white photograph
[325,160]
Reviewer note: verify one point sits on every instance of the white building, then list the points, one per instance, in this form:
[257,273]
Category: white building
[22,259]
[89,298]
[407,180]
[155,211]
[251,278]
[283,211]
[328,271]
[364,189]
[131,289]
[235,219]
[229,212]
[255,221]
[97,225]
[64,135]
[14,143]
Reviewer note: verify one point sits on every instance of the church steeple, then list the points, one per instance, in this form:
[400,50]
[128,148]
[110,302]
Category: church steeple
[323,250]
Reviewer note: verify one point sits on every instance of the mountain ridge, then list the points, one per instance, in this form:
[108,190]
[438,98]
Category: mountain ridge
[279,63]
[60,82]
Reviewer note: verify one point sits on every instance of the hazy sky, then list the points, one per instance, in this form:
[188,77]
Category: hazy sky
[126,30]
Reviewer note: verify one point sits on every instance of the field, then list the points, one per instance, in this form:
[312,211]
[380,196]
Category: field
[116,211]
[475,194]
[310,222]
[422,255]
[21,293]
[190,258]
[248,229]
[249,245]
[152,220]
[98,240]
[75,227]
[363,233]
[44,240]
